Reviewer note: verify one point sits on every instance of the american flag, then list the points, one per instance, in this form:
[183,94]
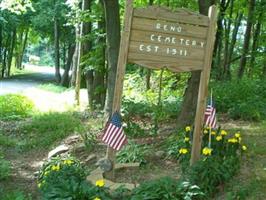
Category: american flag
[210,115]
[114,135]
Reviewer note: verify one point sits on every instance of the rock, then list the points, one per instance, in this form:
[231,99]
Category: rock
[90,158]
[78,148]
[58,150]
[72,139]
[105,164]
[159,154]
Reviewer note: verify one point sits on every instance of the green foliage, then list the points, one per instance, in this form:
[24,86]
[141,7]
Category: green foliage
[132,153]
[47,128]
[168,189]
[15,195]
[65,178]
[242,99]
[5,168]
[52,88]
[219,162]
[15,106]
[90,140]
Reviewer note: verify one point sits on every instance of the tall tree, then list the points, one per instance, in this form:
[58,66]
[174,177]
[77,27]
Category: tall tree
[245,49]
[112,19]
[188,109]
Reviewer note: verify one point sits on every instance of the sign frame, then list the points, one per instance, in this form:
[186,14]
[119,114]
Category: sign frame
[164,14]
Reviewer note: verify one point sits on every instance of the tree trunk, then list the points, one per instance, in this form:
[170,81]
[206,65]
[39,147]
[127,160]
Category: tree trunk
[5,55]
[255,43]
[10,52]
[188,109]
[1,48]
[232,45]
[22,49]
[112,19]
[243,59]
[65,77]
[75,58]
[57,51]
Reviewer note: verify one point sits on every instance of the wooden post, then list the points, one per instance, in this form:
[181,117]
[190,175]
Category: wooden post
[203,87]
[121,67]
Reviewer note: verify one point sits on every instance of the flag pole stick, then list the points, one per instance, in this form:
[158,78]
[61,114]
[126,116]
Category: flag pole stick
[210,128]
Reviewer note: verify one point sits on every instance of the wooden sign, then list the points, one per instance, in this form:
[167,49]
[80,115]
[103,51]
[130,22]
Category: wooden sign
[181,41]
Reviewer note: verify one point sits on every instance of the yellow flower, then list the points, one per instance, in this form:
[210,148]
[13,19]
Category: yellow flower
[188,129]
[186,139]
[223,132]
[68,162]
[55,167]
[213,133]
[207,151]
[205,131]
[183,151]
[219,138]
[100,183]
[96,198]
[232,140]
[237,135]
[244,148]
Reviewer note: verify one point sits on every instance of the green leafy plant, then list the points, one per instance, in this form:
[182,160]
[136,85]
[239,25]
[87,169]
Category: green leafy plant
[5,168]
[15,195]
[132,153]
[15,106]
[168,189]
[65,178]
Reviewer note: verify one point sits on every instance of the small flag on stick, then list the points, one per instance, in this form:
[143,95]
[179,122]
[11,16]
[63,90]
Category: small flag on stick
[114,135]
[210,115]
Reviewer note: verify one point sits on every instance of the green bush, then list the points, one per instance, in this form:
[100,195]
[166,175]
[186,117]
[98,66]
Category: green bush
[243,99]
[132,153]
[65,178]
[15,195]
[5,168]
[167,189]
[14,106]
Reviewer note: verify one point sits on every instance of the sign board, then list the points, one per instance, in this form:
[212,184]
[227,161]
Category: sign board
[181,41]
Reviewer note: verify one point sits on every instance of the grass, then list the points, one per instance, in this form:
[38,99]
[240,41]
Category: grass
[15,195]
[53,88]
[43,130]
[251,181]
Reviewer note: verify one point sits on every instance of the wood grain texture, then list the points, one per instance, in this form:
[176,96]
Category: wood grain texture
[180,15]
[121,66]
[203,87]
[189,30]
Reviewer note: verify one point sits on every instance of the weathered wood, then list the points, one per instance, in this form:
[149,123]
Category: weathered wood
[187,29]
[180,15]
[121,66]
[203,87]
[166,51]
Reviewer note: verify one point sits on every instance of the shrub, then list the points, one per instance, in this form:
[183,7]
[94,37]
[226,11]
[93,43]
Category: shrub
[15,195]
[168,189]
[65,178]
[14,106]
[5,168]
[218,163]
[242,99]
[132,153]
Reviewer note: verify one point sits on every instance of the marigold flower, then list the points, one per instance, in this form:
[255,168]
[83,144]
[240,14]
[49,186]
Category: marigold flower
[100,183]
[237,135]
[96,198]
[232,140]
[188,129]
[68,162]
[205,131]
[183,151]
[223,132]
[219,138]
[244,148]
[55,167]
[187,139]
[213,133]
[207,151]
